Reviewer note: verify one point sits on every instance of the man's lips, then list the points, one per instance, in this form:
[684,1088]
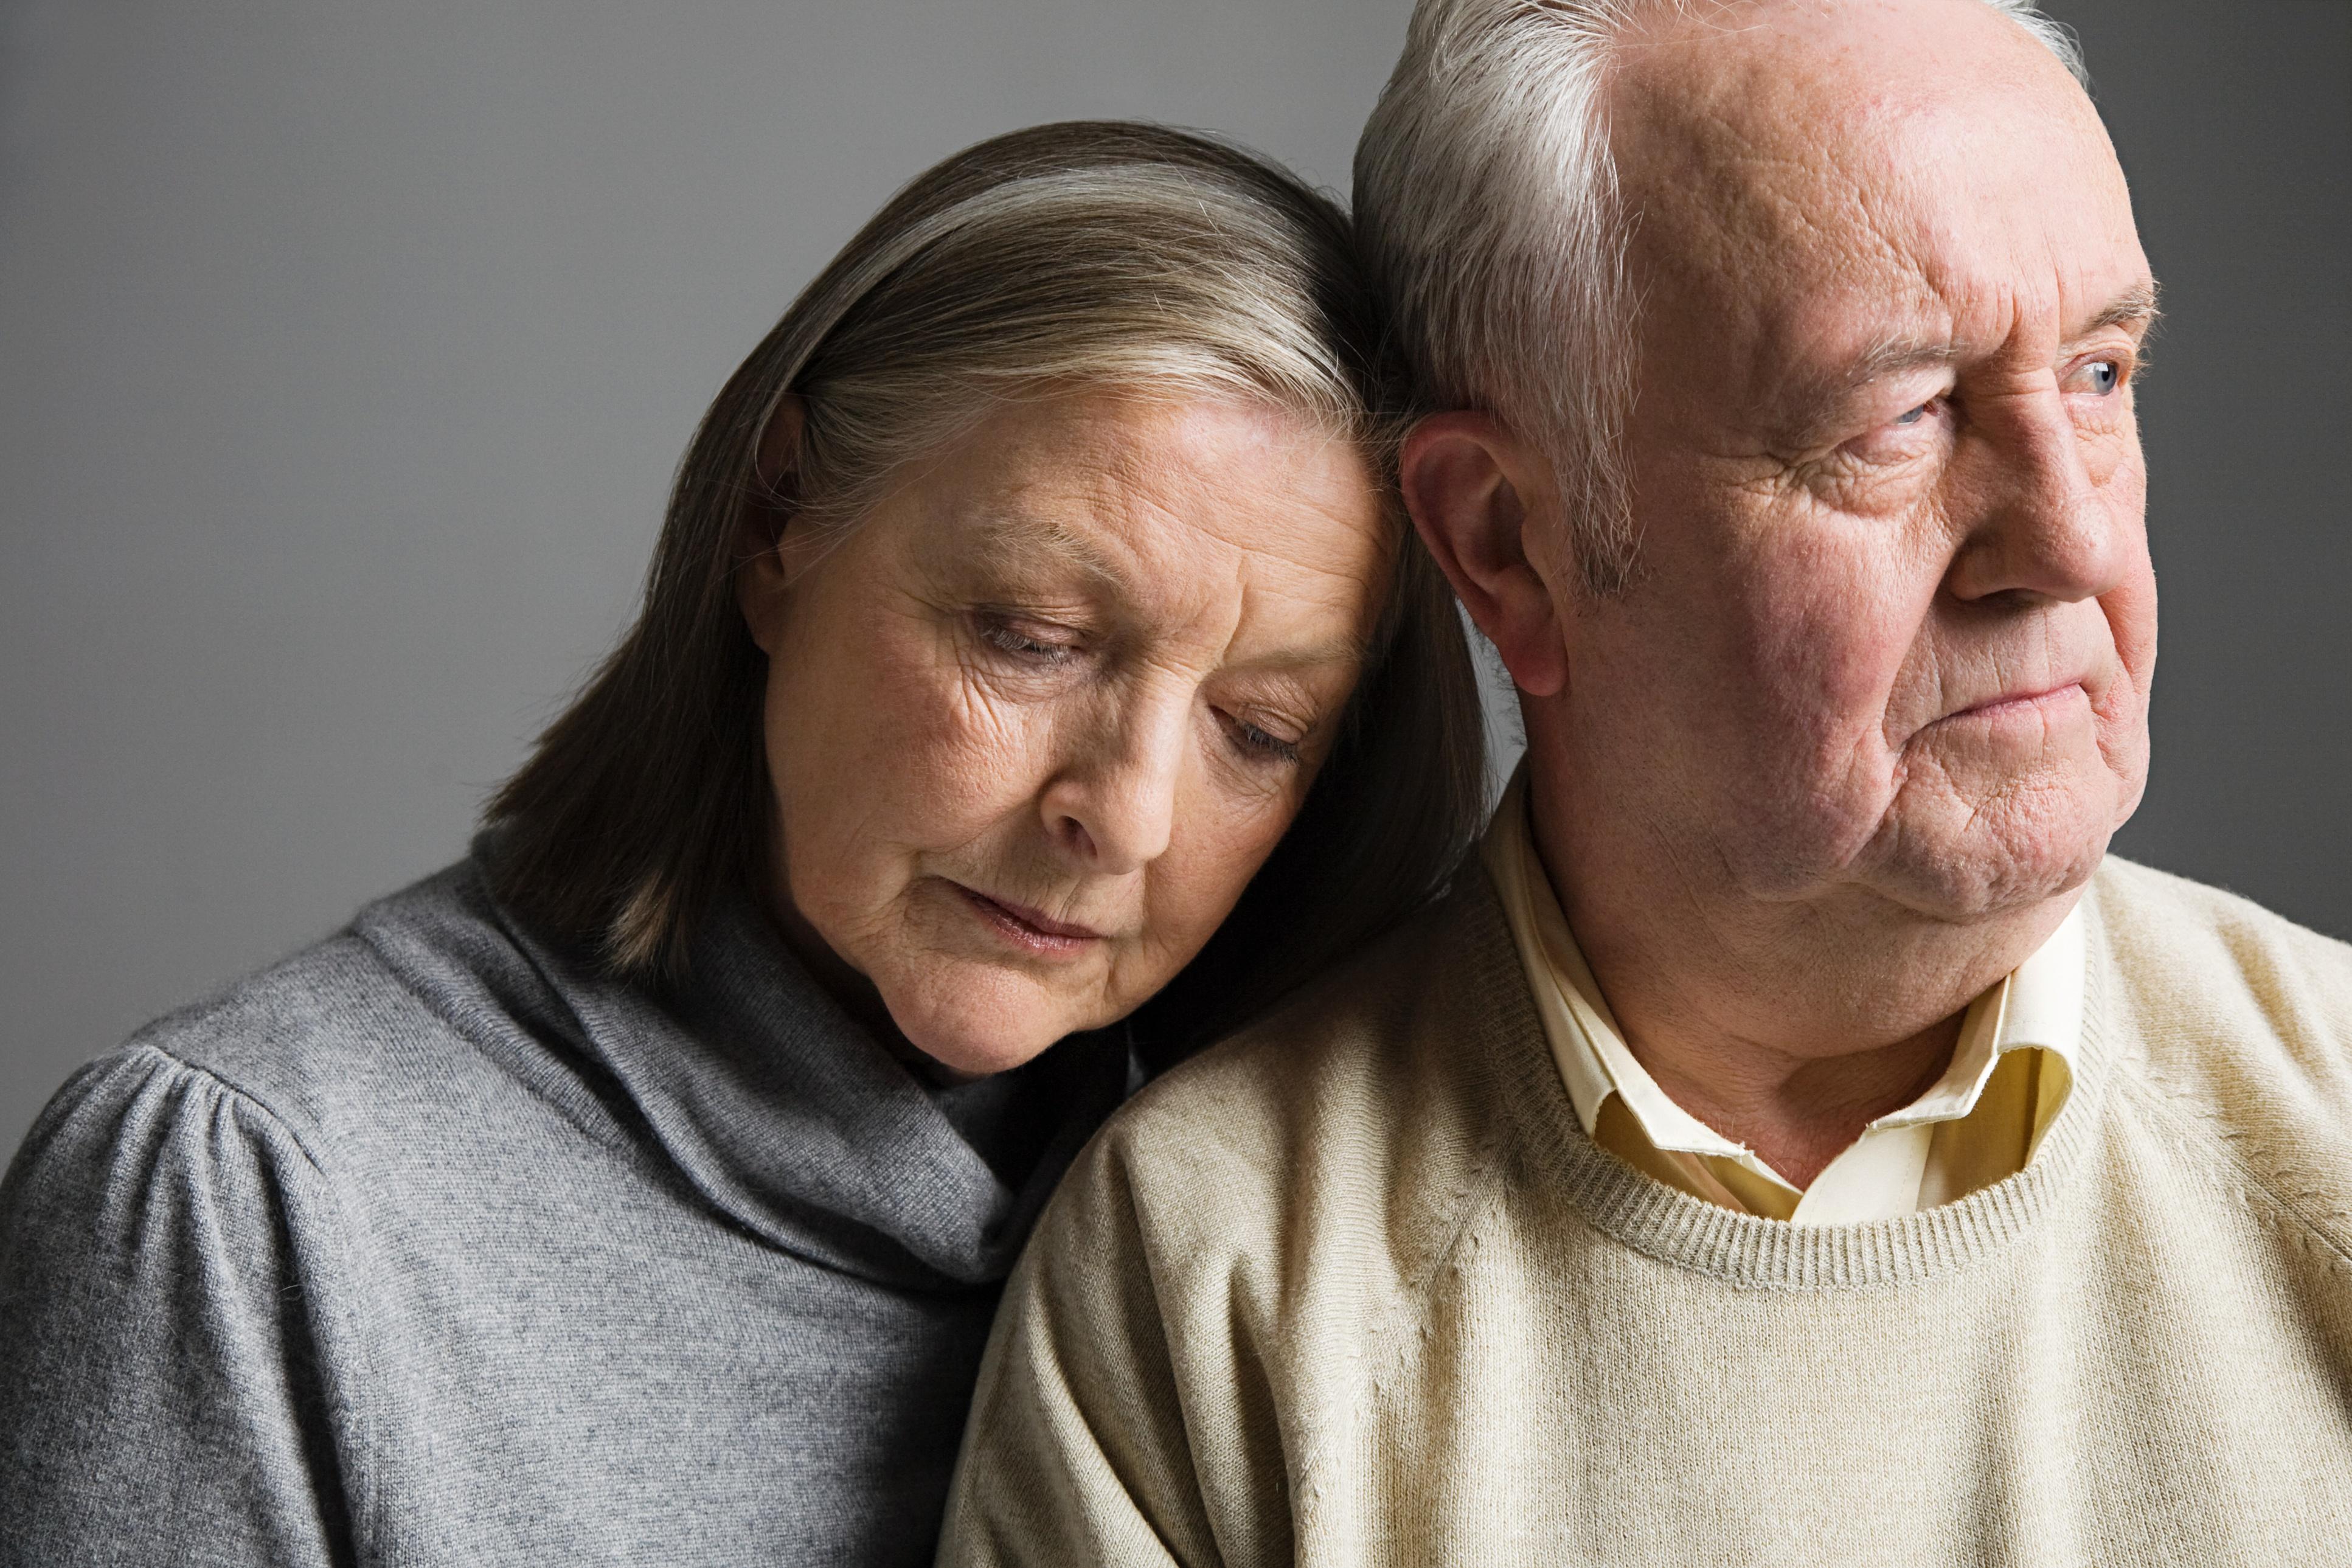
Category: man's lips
[2019,702]
[1029,928]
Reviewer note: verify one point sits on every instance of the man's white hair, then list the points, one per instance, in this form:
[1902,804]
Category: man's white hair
[1489,210]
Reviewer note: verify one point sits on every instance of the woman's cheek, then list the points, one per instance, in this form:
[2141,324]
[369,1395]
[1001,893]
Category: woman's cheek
[1231,842]
[986,750]
[930,728]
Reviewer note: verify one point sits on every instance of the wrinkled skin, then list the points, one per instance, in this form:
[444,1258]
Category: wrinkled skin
[1847,748]
[1083,665]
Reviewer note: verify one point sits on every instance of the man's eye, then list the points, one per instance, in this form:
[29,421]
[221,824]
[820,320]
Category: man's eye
[2100,377]
[1917,414]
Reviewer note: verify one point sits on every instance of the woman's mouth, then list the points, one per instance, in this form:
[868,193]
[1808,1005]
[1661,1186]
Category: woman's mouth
[1032,930]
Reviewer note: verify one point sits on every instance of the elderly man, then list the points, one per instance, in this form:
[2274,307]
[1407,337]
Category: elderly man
[1794,1142]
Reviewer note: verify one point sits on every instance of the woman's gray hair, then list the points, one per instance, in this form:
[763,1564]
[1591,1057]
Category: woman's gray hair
[1083,254]
[1169,279]
[1488,210]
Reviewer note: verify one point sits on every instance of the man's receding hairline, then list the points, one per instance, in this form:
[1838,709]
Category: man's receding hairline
[1487,154]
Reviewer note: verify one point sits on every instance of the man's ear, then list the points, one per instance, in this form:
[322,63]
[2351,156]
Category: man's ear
[1472,485]
[761,578]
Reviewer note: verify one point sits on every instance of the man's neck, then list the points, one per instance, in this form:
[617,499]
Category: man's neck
[1796,1113]
[1788,1027]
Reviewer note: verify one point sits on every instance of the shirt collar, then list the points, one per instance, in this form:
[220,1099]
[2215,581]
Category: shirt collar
[2040,1003]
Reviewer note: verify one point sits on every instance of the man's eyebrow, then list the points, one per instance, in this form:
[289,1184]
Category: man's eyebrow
[1894,356]
[1816,394]
[2135,306]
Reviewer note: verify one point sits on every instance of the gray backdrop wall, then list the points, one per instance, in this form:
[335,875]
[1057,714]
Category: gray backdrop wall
[345,351]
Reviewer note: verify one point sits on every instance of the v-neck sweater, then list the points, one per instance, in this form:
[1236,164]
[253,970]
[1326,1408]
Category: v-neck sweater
[433,1246]
[1359,1288]
[1980,1122]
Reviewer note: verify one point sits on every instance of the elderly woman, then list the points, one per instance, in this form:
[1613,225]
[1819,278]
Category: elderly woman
[1034,679]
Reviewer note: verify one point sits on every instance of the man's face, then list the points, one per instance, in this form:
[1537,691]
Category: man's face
[1894,621]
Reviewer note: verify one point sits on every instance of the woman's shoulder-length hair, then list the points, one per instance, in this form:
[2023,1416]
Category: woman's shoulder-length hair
[1082,255]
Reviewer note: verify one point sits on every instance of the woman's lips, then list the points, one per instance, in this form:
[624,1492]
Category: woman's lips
[1030,929]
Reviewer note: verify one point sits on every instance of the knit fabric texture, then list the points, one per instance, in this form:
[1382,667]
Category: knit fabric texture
[430,1246]
[1358,1289]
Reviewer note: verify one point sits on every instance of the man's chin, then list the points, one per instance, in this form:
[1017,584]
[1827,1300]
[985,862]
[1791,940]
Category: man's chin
[1979,883]
[1963,856]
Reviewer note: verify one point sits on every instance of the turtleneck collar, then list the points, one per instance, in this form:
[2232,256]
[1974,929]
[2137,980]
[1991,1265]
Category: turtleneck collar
[794,1121]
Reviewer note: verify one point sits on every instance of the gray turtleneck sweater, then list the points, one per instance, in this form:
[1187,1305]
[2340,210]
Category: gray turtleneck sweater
[428,1247]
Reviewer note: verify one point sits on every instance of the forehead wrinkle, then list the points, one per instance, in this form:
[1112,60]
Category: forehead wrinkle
[2004,317]
[1346,651]
[1177,551]
[1752,227]
[1256,545]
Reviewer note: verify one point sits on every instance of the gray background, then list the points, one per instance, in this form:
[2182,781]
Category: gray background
[346,350]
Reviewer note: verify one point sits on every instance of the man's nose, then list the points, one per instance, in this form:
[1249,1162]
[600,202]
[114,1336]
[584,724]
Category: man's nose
[1112,805]
[2036,522]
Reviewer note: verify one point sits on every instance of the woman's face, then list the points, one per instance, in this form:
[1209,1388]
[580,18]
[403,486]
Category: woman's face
[1037,719]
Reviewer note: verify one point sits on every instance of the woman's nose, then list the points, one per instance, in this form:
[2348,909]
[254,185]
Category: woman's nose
[1113,805]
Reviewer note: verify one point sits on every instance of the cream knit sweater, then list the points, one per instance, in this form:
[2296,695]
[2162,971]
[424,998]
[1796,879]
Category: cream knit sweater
[1358,1289]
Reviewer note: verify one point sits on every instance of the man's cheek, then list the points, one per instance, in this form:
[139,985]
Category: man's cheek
[1832,674]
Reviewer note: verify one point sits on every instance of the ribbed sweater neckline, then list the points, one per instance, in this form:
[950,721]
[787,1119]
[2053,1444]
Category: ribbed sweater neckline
[1743,1250]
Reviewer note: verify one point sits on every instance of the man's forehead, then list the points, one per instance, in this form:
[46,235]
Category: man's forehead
[1910,171]
[1779,118]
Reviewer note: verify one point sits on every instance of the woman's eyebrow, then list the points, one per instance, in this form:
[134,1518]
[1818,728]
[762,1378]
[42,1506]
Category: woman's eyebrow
[1332,653]
[1016,538]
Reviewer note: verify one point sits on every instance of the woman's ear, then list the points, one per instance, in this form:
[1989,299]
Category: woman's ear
[1476,491]
[761,580]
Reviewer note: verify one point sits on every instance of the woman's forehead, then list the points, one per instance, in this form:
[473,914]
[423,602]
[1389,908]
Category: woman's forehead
[1159,505]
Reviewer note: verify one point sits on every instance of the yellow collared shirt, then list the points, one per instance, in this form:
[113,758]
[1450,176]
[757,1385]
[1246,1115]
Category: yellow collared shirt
[1979,1123]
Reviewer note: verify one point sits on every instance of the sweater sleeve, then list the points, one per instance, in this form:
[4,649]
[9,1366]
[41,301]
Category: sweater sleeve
[1079,1447]
[163,1397]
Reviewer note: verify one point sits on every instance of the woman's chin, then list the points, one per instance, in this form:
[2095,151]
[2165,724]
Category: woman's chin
[974,1034]
[962,1058]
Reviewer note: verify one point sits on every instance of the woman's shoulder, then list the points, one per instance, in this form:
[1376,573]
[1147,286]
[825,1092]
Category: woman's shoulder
[424,1003]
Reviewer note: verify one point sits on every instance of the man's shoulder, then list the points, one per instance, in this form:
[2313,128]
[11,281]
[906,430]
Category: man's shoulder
[2197,953]
[2239,1020]
[1369,1102]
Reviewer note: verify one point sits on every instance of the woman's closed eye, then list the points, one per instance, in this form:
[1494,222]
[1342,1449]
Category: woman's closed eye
[1258,743]
[1029,642]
